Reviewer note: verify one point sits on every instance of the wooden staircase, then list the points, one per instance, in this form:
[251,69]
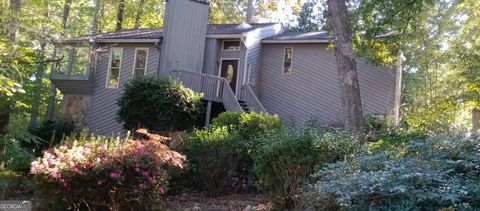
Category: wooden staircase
[217,89]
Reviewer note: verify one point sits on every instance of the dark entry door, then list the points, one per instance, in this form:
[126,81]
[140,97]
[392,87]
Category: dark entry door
[229,70]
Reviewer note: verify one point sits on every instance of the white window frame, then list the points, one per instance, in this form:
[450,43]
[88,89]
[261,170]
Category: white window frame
[110,67]
[135,61]
[239,46]
[283,61]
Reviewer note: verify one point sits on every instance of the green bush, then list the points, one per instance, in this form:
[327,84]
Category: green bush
[285,157]
[440,172]
[162,105]
[51,132]
[218,153]
[381,136]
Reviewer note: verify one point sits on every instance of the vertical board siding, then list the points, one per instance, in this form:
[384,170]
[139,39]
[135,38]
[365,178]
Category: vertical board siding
[210,57]
[102,117]
[312,92]
[184,36]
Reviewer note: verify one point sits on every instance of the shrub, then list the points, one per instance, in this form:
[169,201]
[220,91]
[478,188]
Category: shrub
[162,105]
[281,163]
[51,132]
[109,173]
[285,157]
[221,155]
[440,172]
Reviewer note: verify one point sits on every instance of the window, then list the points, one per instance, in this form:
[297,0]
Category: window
[113,77]
[73,60]
[231,45]
[140,65]
[287,60]
[80,61]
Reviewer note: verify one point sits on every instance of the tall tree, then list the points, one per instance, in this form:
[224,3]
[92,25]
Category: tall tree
[307,20]
[120,13]
[346,66]
[96,16]
[250,11]
[139,13]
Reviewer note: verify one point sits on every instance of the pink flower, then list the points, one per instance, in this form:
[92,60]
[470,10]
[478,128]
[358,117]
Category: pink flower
[140,148]
[145,173]
[137,169]
[56,175]
[137,165]
[142,186]
[75,170]
[65,184]
[114,175]
[162,190]
[100,182]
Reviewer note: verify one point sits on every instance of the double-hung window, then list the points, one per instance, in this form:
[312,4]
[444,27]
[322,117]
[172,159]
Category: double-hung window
[113,77]
[140,65]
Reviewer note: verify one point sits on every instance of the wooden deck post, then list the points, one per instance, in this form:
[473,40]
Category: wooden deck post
[209,111]
[398,90]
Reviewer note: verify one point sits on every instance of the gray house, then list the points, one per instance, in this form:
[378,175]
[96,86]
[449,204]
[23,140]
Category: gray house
[244,67]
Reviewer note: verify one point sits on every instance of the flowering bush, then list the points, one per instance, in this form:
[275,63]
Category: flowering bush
[109,173]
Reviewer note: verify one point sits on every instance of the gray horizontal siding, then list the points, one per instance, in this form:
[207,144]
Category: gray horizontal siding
[254,50]
[312,90]
[102,117]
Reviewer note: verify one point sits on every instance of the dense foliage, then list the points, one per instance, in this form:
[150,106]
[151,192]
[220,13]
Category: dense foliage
[284,158]
[111,173]
[51,132]
[218,154]
[160,105]
[440,172]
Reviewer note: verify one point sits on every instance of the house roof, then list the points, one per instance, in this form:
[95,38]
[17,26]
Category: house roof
[299,37]
[155,34]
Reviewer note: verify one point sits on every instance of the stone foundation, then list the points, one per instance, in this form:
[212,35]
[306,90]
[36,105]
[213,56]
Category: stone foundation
[75,109]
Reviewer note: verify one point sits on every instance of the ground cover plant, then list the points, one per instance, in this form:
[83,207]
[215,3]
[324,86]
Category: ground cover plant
[441,172]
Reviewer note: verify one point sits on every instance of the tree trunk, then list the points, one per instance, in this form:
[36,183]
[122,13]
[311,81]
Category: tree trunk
[66,13]
[250,11]
[121,9]
[95,17]
[5,109]
[50,113]
[346,66]
[398,90]
[139,13]
[15,24]
[53,93]
[475,123]
[37,91]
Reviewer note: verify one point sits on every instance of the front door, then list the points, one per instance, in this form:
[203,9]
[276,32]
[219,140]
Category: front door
[229,71]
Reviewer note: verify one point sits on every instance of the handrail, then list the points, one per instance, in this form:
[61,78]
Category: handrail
[213,87]
[251,99]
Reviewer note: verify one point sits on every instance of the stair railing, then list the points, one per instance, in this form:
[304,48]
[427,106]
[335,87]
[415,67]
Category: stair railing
[251,99]
[214,88]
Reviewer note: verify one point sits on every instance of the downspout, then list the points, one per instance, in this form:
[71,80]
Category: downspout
[245,66]
[158,45]
[91,72]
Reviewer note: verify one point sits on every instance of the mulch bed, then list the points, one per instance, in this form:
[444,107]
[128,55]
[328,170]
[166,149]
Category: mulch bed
[191,201]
